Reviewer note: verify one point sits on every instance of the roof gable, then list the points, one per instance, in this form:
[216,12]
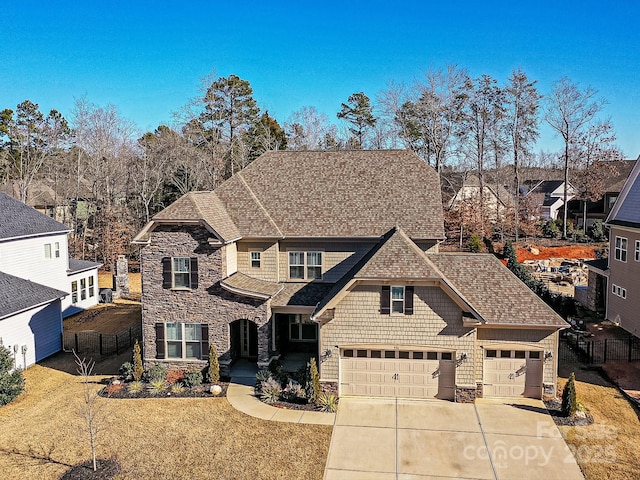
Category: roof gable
[18,294]
[626,211]
[20,220]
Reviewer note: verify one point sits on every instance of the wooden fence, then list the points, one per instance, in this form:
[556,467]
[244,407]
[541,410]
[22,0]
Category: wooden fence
[101,343]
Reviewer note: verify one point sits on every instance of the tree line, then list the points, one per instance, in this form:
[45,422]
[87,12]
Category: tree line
[108,178]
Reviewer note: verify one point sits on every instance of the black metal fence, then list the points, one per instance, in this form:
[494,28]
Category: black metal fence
[596,352]
[101,343]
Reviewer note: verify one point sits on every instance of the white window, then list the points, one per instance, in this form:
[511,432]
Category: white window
[397,299]
[74,292]
[184,340]
[83,289]
[181,272]
[256,258]
[57,249]
[621,249]
[637,250]
[47,250]
[91,287]
[301,329]
[619,291]
[305,265]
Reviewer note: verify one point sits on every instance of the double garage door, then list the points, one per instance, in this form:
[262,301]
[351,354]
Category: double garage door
[397,373]
[512,373]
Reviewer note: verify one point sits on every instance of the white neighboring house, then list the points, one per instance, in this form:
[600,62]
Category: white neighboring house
[548,196]
[39,283]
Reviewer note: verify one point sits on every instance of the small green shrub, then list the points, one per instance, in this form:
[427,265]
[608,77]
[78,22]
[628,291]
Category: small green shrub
[126,371]
[293,392]
[270,390]
[262,376]
[313,387]
[156,373]
[213,369]
[138,369]
[569,397]
[156,387]
[474,244]
[135,387]
[551,229]
[11,379]
[177,388]
[328,403]
[597,231]
[193,378]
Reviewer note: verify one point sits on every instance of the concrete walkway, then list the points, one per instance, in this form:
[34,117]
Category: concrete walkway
[241,396]
[385,439]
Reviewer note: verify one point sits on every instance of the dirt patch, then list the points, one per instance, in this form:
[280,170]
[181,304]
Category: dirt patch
[105,318]
[106,470]
[544,253]
[626,375]
[606,329]
[105,280]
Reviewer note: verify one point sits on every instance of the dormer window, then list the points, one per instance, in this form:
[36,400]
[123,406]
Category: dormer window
[305,265]
[256,259]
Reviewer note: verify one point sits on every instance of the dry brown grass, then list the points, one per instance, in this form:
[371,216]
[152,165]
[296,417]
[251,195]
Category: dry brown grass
[152,438]
[608,448]
[105,280]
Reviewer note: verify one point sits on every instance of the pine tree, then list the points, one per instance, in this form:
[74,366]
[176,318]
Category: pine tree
[315,392]
[359,113]
[11,379]
[569,397]
[138,369]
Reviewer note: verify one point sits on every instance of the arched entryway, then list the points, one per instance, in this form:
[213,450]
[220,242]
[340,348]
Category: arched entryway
[244,339]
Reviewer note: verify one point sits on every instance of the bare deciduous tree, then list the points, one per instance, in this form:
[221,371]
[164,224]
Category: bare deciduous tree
[90,409]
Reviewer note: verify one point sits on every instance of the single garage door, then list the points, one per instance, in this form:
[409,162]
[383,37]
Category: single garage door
[512,373]
[397,373]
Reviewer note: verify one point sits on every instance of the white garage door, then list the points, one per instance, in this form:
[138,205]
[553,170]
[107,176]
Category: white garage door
[512,373]
[397,373]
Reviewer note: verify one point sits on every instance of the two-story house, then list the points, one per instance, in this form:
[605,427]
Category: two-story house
[336,254]
[547,196]
[622,299]
[39,283]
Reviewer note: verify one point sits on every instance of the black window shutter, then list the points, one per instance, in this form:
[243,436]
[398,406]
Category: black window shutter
[194,272]
[408,300]
[167,281]
[385,300]
[160,340]
[204,330]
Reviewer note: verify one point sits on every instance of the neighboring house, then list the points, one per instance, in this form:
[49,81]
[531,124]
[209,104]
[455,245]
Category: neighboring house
[600,209]
[335,254]
[547,196]
[623,296]
[497,200]
[39,283]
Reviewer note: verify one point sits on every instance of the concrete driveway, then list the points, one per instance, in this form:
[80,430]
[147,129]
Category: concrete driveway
[384,439]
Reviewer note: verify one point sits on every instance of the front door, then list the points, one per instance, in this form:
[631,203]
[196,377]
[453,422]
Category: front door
[245,337]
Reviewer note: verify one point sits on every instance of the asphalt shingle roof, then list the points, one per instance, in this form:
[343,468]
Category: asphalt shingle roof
[244,283]
[19,220]
[322,194]
[626,211]
[76,265]
[18,294]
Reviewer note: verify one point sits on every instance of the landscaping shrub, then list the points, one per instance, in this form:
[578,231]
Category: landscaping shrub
[126,371]
[156,387]
[328,403]
[569,397]
[213,369]
[313,388]
[156,373]
[177,388]
[474,244]
[174,376]
[11,379]
[270,390]
[262,376]
[193,378]
[293,392]
[551,229]
[135,386]
[597,232]
[138,369]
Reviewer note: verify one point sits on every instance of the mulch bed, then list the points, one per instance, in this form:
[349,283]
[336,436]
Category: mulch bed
[309,407]
[201,391]
[555,410]
[107,469]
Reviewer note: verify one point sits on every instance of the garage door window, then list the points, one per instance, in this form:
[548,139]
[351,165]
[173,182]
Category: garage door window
[519,354]
[396,354]
[347,353]
[390,354]
[491,353]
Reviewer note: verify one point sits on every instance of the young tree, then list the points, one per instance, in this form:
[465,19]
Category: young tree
[569,111]
[522,102]
[11,378]
[138,368]
[213,370]
[359,113]
[569,397]
[306,129]
[90,409]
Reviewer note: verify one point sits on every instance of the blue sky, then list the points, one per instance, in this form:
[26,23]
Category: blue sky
[147,58]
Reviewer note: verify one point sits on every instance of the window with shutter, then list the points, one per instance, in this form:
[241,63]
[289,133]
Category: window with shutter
[408,300]
[160,350]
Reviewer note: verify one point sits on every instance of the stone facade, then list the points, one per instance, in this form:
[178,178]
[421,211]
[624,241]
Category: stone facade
[465,394]
[207,304]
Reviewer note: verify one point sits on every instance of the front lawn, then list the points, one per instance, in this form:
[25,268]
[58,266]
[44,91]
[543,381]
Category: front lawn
[609,447]
[191,438]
